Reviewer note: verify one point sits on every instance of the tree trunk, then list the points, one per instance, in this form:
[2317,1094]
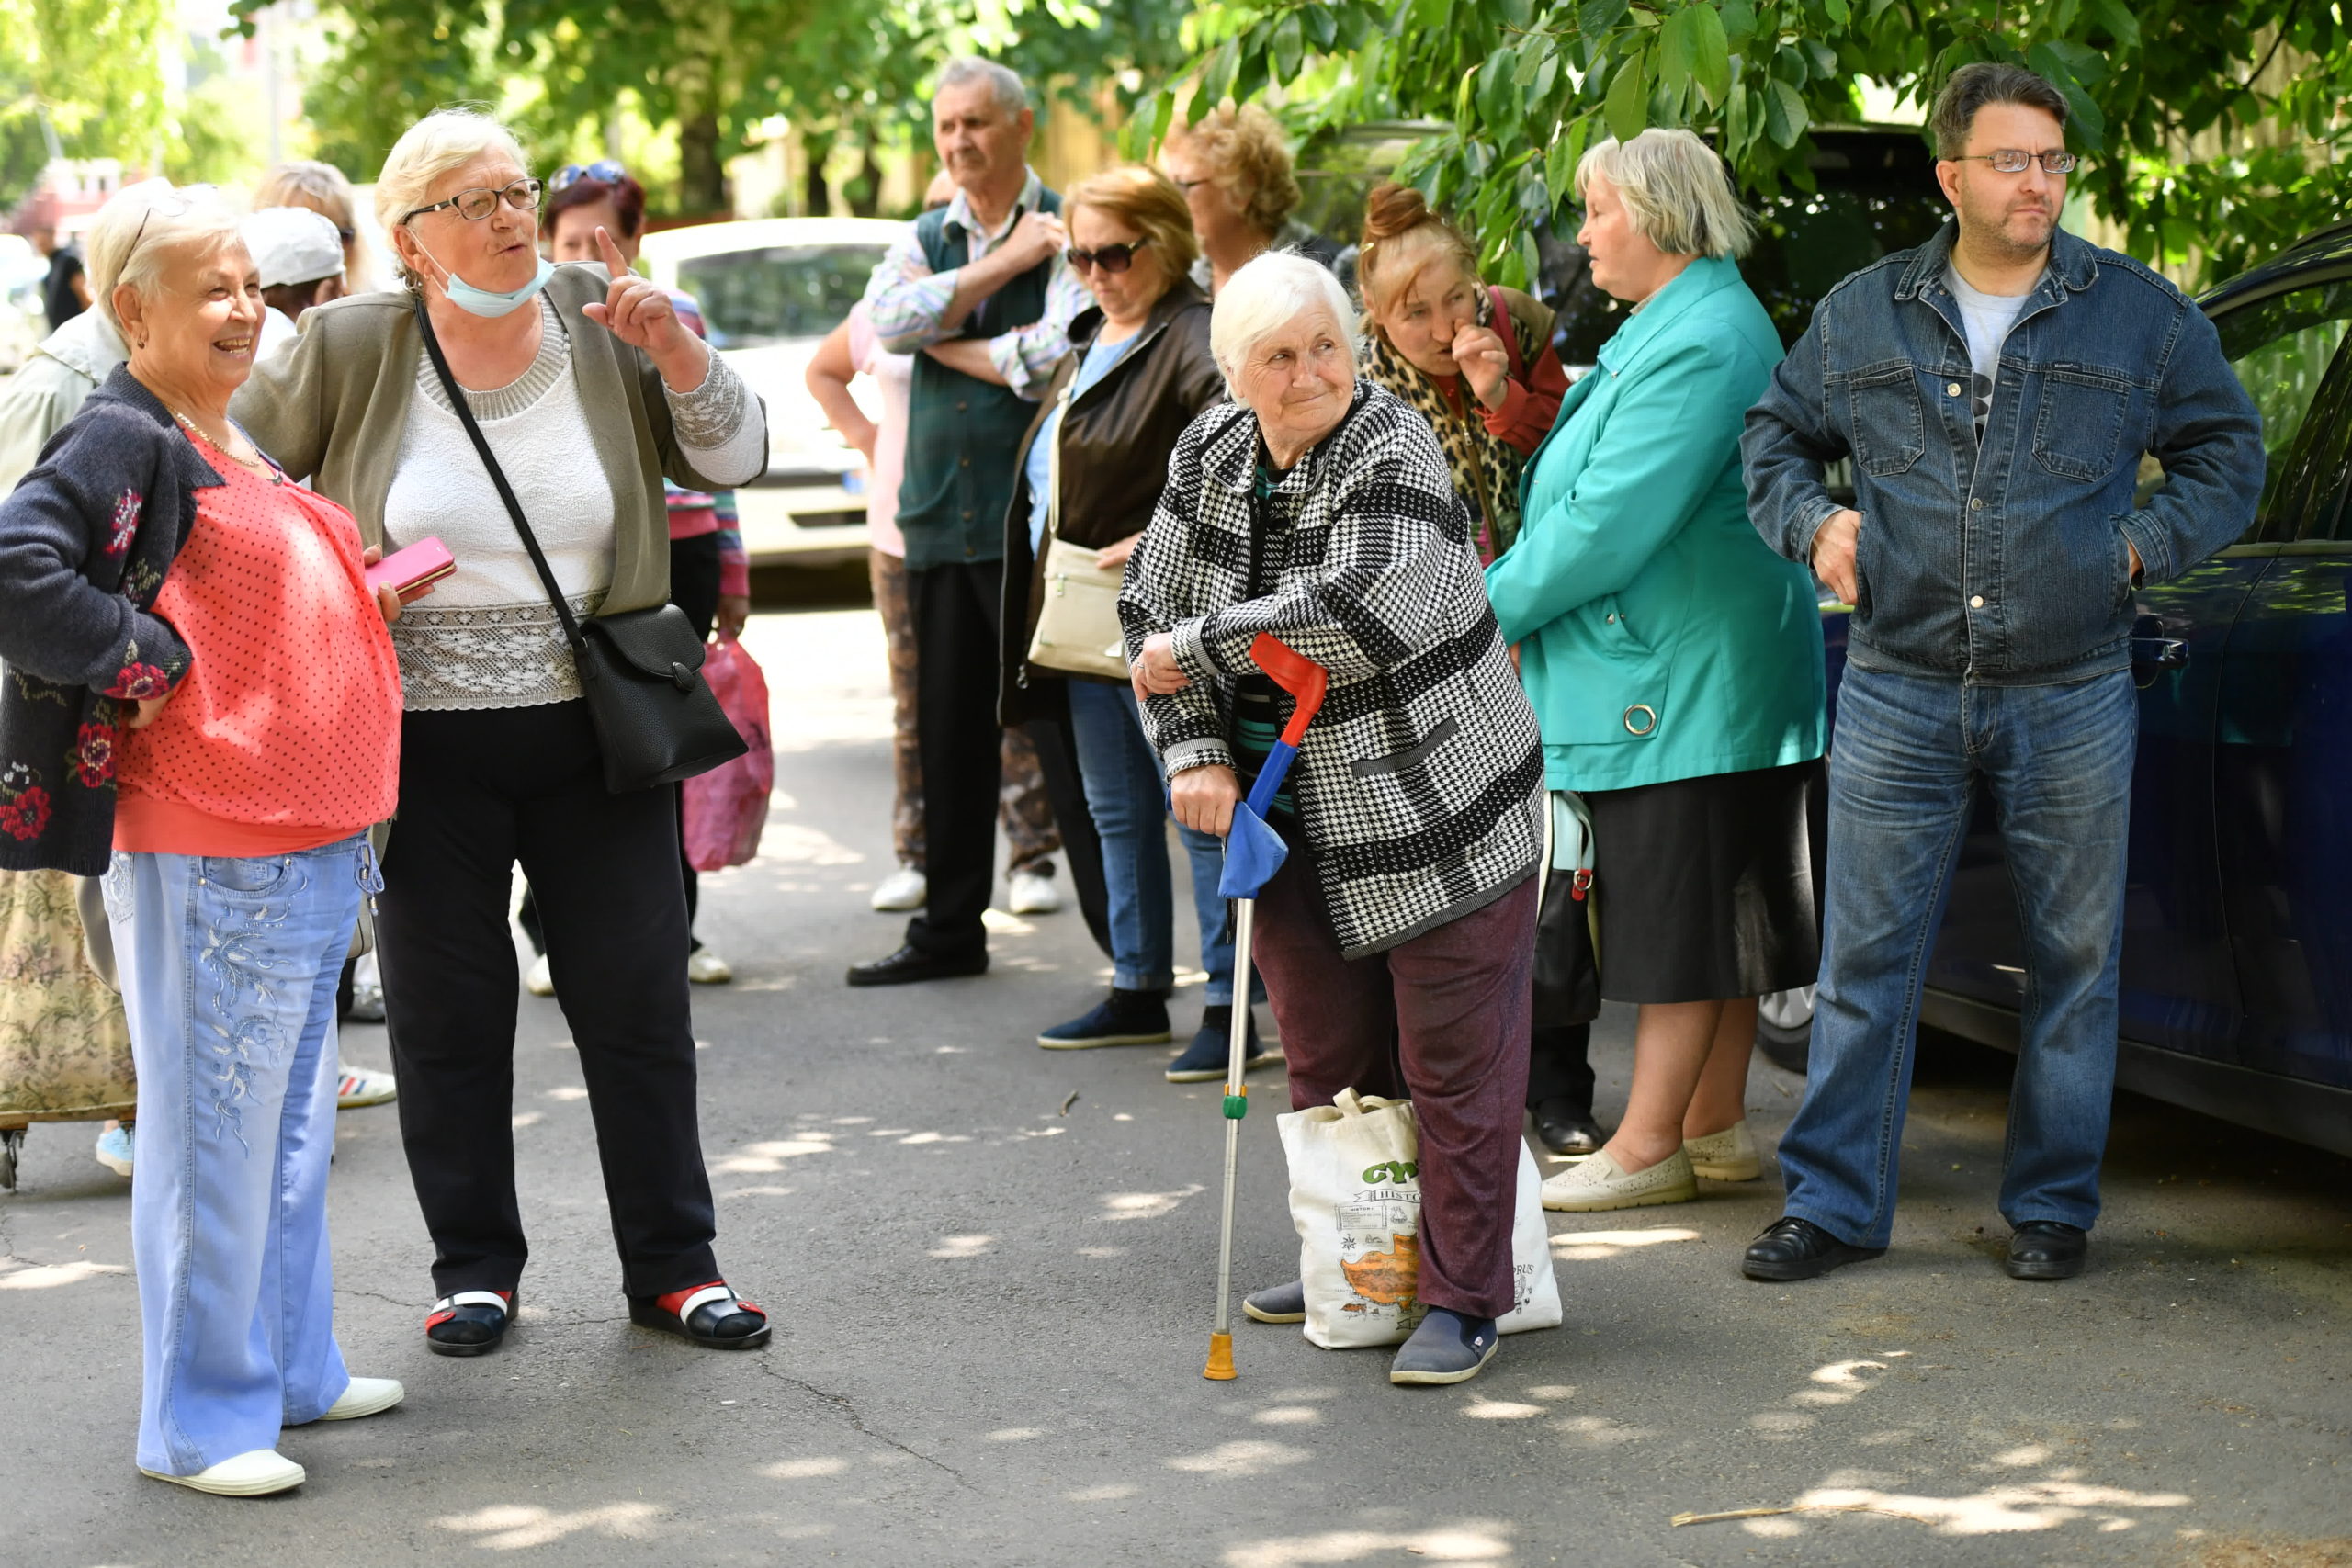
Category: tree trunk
[865,188]
[818,148]
[702,180]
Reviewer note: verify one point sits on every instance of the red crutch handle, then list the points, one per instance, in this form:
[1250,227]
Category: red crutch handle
[1296,673]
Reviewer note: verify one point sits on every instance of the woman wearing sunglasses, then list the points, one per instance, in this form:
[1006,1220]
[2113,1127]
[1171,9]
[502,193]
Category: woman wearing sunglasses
[588,391]
[1090,471]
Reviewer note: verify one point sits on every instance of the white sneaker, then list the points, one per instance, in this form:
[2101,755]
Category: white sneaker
[255,1474]
[364,1086]
[115,1148]
[366,991]
[1727,1155]
[366,1396]
[1034,894]
[540,981]
[903,889]
[705,967]
[1601,1183]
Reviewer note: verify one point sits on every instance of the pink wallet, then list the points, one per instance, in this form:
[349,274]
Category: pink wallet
[410,571]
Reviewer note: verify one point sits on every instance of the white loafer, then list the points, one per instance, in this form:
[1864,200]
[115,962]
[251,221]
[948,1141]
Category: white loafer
[705,967]
[366,1396]
[540,978]
[255,1474]
[904,888]
[1599,1183]
[1727,1155]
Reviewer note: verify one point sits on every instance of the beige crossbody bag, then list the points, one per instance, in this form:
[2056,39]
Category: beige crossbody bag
[1077,624]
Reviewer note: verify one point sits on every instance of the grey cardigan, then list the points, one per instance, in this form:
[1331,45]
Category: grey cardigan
[332,408]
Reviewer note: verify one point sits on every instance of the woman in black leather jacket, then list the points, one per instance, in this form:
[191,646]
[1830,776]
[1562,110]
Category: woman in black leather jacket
[1138,371]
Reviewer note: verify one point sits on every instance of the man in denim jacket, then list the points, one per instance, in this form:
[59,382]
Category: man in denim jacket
[1994,389]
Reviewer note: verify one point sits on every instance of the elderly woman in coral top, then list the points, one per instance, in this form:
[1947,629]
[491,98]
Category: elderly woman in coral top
[203,704]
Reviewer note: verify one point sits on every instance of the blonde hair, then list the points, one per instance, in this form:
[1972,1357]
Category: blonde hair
[307,183]
[428,152]
[1401,236]
[1675,188]
[139,231]
[1142,199]
[1276,289]
[1244,146]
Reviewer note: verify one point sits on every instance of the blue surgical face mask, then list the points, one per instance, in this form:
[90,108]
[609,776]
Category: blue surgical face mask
[484,302]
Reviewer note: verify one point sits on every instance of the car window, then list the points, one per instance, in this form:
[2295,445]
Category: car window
[2281,347]
[779,291]
[2312,486]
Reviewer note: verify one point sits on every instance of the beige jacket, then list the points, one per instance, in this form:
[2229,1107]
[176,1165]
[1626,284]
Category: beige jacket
[332,407]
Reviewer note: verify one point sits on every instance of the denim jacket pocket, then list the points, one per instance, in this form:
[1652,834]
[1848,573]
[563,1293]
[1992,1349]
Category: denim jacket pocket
[1884,412]
[2081,421]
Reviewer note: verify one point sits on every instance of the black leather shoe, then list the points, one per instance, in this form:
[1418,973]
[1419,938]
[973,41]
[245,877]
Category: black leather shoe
[2047,1250]
[1791,1249]
[1567,1127]
[911,963]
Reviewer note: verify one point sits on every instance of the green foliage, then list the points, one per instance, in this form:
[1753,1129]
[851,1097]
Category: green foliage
[93,68]
[1525,85]
[847,71]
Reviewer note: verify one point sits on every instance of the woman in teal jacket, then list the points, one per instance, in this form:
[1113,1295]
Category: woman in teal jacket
[1675,665]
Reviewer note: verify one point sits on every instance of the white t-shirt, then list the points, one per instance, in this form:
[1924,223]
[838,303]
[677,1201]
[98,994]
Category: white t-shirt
[1987,319]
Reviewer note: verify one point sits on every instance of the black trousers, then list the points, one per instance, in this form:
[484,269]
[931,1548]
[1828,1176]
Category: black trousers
[1558,1066]
[956,610]
[479,792]
[693,588]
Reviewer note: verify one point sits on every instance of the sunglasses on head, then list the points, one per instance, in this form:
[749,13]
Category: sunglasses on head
[1109,258]
[607,171]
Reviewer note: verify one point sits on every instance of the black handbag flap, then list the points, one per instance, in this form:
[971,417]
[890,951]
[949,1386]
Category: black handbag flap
[654,642]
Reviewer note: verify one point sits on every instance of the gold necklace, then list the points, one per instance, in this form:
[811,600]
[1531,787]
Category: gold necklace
[256,464]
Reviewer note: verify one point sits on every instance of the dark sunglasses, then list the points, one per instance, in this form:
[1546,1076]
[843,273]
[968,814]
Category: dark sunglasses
[1109,258]
[607,171]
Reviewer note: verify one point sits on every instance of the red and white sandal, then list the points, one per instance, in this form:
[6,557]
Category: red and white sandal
[470,1322]
[711,1314]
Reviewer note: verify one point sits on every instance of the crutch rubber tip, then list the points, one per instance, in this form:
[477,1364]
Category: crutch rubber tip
[1220,1365]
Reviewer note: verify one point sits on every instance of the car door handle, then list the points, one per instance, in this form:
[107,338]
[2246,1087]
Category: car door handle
[2160,652]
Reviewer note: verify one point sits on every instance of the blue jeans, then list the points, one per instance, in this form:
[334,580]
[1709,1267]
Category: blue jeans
[228,970]
[1127,797]
[1903,766]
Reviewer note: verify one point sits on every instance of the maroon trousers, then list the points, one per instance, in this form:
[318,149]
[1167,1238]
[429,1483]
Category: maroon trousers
[1441,1019]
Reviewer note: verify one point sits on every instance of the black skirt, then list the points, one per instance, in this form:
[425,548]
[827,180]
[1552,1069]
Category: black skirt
[1705,887]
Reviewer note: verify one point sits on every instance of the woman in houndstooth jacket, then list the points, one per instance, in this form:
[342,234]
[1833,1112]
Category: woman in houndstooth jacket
[1318,507]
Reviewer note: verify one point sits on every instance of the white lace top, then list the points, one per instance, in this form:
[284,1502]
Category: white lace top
[486,635]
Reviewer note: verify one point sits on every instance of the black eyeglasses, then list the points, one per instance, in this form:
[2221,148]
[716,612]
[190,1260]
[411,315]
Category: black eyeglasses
[606,171]
[479,203]
[1109,258]
[2013,161]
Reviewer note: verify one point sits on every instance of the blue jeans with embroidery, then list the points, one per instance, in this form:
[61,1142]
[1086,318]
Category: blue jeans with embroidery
[1127,797]
[229,968]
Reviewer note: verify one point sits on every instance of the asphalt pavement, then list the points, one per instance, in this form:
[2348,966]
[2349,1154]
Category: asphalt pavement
[991,1268]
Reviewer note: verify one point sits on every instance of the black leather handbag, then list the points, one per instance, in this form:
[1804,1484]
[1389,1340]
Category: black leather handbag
[657,720]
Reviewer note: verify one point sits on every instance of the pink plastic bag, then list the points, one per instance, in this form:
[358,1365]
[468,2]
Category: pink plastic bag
[726,807]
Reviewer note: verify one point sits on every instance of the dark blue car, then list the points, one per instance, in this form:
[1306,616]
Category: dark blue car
[2237,951]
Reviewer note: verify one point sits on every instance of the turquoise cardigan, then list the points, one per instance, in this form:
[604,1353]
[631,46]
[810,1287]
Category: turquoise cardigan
[1659,638]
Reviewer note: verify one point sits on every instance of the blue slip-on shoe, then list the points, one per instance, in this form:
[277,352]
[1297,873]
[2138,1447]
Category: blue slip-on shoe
[1125,1018]
[1277,1303]
[1447,1347]
[1205,1058]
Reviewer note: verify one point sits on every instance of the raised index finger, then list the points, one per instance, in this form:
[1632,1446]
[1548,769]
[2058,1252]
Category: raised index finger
[612,254]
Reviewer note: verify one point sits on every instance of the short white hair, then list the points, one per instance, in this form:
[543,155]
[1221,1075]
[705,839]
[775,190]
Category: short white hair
[430,152]
[1004,83]
[1675,188]
[1266,295]
[143,229]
